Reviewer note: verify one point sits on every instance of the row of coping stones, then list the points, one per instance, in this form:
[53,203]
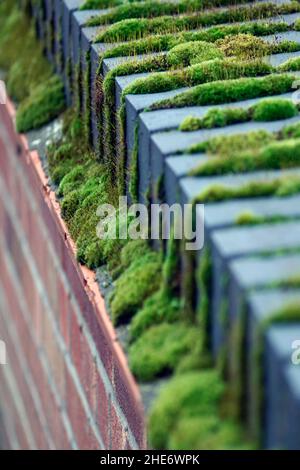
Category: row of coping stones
[250,291]
[154,136]
[281,378]
[190,188]
[77,40]
[76,28]
[168,144]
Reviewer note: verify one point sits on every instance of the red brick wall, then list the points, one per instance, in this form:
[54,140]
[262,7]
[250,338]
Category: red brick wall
[66,383]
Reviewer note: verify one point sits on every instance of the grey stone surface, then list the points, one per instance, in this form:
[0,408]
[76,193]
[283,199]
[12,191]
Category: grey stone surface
[176,141]
[282,390]
[241,275]
[191,187]
[68,6]
[291,408]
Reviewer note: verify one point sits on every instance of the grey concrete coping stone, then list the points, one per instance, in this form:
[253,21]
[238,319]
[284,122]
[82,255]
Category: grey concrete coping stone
[292,408]
[285,36]
[257,272]
[162,144]
[277,350]
[167,119]
[168,143]
[191,186]
[224,214]
[282,391]
[246,241]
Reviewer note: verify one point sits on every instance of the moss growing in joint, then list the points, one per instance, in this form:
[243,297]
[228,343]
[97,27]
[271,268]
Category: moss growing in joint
[154,9]
[209,71]
[227,91]
[230,145]
[281,187]
[165,42]
[266,110]
[159,349]
[131,29]
[277,155]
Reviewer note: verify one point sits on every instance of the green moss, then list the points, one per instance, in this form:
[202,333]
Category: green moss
[230,145]
[98,4]
[243,46]
[165,42]
[206,433]
[131,29]
[282,186]
[266,110]
[157,309]
[193,52]
[291,65]
[248,218]
[138,282]
[70,204]
[292,130]
[159,349]
[274,109]
[277,155]
[289,313]
[154,9]
[75,177]
[213,70]
[227,91]
[45,103]
[215,118]
[195,394]
[204,282]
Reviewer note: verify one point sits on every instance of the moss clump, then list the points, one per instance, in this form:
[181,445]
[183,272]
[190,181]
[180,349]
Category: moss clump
[206,433]
[291,65]
[243,46]
[157,309]
[192,402]
[138,282]
[266,110]
[193,52]
[45,103]
[227,91]
[159,349]
[277,155]
[131,29]
[215,118]
[274,109]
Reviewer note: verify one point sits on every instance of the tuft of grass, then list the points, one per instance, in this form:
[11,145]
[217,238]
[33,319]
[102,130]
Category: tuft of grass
[274,109]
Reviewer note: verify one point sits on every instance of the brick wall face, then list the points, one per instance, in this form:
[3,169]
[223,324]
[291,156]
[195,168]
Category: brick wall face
[66,384]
